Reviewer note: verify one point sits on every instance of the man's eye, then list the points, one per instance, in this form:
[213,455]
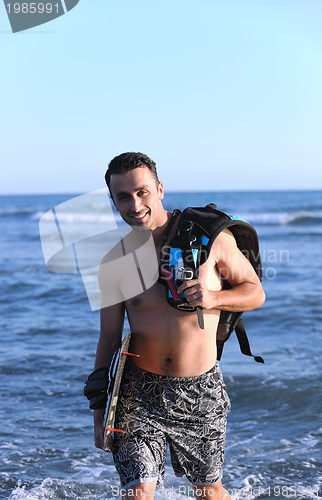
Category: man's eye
[142,193]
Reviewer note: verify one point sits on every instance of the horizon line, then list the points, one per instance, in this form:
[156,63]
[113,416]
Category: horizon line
[277,190]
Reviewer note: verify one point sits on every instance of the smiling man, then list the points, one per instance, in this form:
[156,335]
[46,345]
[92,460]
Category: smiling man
[174,392]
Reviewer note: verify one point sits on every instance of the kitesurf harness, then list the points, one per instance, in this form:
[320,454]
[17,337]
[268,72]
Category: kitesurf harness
[190,248]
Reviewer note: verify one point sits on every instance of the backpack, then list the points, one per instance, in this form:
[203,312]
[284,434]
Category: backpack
[190,248]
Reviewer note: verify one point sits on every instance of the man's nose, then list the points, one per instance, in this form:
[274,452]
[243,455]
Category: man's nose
[136,204]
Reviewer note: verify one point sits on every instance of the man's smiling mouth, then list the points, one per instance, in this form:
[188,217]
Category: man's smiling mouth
[139,217]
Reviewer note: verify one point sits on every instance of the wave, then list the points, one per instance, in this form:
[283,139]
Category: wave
[56,489]
[244,486]
[16,212]
[97,213]
[52,489]
[300,218]
[78,217]
[270,218]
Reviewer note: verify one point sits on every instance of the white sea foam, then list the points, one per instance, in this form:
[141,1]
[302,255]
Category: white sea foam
[96,214]
[77,217]
[281,218]
[55,489]
[243,442]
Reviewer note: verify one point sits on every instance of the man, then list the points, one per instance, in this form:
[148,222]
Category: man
[174,391]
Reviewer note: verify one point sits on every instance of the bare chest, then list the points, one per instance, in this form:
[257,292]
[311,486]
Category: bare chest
[155,298]
[152,299]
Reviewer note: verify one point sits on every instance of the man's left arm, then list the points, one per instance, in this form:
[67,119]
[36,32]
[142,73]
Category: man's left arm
[246,292]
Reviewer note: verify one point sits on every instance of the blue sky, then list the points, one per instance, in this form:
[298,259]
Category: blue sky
[223,95]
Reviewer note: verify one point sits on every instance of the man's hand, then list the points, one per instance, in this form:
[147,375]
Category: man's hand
[99,431]
[246,292]
[197,294]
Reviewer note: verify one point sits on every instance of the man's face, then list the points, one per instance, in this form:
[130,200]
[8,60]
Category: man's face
[137,198]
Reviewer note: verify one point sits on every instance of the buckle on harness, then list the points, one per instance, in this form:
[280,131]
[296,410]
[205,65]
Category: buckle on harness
[184,274]
[185,307]
[186,225]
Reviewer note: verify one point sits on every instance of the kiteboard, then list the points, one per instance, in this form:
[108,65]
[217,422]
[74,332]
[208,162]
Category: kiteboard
[116,377]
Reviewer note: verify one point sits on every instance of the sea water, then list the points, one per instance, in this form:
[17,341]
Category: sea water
[48,342]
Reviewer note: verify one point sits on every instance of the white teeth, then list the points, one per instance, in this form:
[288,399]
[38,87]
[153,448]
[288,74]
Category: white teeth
[139,216]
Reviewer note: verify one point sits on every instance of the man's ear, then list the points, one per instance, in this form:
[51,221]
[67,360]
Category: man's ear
[160,190]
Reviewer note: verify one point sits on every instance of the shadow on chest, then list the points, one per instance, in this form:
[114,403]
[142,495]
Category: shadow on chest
[154,296]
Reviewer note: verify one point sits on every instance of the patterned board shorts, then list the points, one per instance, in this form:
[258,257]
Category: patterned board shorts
[189,413]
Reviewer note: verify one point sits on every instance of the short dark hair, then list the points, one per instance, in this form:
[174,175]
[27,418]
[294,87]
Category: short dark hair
[129,161]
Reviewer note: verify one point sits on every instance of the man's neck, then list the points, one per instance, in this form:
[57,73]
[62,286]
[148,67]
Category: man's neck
[159,231]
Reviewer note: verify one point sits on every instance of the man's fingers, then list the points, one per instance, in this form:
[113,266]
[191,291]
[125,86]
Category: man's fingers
[191,292]
[108,448]
[194,301]
[99,439]
[101,446]
[187,285]
[193,295]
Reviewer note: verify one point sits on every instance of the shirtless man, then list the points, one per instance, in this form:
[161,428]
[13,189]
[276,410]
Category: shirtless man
[177,363]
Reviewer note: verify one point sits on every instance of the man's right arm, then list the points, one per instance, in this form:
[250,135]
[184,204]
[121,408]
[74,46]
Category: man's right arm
[112,319]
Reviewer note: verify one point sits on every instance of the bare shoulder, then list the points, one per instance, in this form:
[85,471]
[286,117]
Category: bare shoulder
[230,261]
[110,276]
[115,253]
[118,276]
[131,242]
[224,243]
[123,247]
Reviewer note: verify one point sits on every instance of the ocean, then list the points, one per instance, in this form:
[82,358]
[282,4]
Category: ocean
[48,341]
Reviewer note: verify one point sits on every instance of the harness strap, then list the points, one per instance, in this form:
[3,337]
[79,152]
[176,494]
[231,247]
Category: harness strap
[243,341]
[185,230]
[175,214]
